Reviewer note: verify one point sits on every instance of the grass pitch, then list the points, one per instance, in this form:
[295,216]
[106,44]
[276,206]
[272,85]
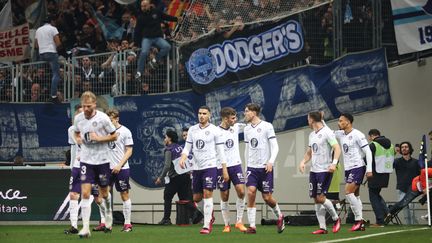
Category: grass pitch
[190,234]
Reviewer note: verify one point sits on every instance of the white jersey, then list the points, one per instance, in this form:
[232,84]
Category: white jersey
[118,147]
[321,143]
[204,142]
[230,138]
[93,152]
[352,144]
[45,38]
[257,143]
[75,148]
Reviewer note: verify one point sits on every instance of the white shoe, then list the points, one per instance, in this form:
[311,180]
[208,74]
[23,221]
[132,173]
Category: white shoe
[84,233]
[424,217]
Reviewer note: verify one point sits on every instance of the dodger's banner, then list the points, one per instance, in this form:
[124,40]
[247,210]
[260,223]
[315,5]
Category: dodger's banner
[257,49]
[412,24]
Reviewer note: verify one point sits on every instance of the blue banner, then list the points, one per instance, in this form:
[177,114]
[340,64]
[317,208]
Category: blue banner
[37,132]
[355,83]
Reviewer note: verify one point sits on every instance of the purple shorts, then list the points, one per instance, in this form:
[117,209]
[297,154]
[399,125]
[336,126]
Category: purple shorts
[95,174]
[319,183]
[258,178]
[75,181]
[235,174]
[355,175]
[204,179]
[121,180]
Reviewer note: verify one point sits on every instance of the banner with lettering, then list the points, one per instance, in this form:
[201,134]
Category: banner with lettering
[413,25]
[14,43]
[250,51]
[355,83]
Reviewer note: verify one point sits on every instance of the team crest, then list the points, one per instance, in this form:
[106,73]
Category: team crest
[94,123]
[319,135]
[231,130]
[350,137]
[207,133]
[201,66]
[259,130]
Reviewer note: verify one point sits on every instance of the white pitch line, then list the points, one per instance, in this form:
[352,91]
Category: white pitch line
[371,235]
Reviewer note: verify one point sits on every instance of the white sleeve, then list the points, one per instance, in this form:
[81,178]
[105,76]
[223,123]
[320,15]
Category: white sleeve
[274,150]
[220,147]
[187,148]
[368,153]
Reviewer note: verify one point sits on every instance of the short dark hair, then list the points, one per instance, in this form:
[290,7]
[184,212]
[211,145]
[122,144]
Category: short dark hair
[254,107]
[374,132]
[315,116]
[348,116]
[205,108]
[411,150]
[172,135]
[185,129]
[227,112]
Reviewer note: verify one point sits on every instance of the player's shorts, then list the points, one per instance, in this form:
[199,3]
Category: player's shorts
[236,177]
[319,183]
[95,174]
[204,179]
[121,180]
[355,175]
[75,181]
[260,179]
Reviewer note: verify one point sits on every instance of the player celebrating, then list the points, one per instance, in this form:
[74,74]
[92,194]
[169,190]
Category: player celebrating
[353,143]
[321,142]
[121,151]
[207,149]
[230,132]
[93,130]
[260,153]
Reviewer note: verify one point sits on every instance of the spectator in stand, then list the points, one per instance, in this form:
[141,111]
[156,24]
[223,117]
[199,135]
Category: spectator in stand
[36,93]
[47,40]
[90,73]
[128,26]
[148,32]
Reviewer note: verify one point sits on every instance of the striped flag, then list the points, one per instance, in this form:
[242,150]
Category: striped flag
[412,23]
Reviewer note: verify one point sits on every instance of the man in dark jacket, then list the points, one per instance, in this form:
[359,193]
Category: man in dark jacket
[406,169]
[382,165]
[148,32]
[175,183]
